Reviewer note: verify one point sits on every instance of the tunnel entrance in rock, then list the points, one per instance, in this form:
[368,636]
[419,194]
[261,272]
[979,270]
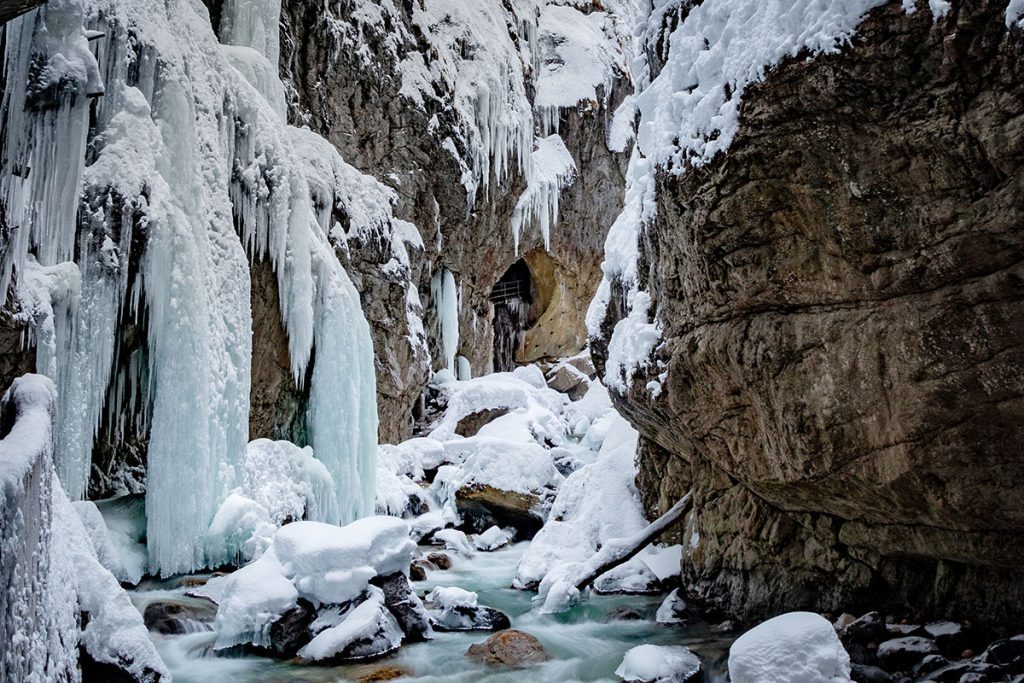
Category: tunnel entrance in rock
[512,297]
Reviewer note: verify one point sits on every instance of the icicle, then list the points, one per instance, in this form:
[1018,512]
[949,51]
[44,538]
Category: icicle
[553,169]
[253,23]
[446,302]
[52,71]
[342,418]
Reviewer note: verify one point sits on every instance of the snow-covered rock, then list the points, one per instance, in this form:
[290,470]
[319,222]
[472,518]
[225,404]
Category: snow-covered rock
[366,630]
[321,563]
[660,664]
[492,539]
[791,648]
[673,609]
[596,503]
[454,609]
[454,540]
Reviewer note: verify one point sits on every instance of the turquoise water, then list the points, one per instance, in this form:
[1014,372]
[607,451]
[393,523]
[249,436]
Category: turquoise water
[586,644]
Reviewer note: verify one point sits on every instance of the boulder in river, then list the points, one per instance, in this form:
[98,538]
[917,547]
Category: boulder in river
[405,606]
[660,664]
[510,647]
[482,506]
[171,617]
[291,631]
[454,609]
[901,654]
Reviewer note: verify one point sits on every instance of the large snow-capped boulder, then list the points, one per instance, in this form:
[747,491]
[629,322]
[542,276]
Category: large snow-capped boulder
[791,648]
[321,563]
[501,482]
[660,664]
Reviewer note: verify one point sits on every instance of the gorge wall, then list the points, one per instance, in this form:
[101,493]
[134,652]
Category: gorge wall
[349,69]
[839,375]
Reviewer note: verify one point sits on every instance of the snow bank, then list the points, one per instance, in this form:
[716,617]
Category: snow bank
[322,563]
[660,663]
[510,391]
[115,633]
[597,503]
[792,648]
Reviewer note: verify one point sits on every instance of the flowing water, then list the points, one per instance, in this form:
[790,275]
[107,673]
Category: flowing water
[586,644]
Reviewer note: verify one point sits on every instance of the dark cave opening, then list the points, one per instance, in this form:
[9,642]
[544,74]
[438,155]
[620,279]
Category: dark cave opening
[512,297]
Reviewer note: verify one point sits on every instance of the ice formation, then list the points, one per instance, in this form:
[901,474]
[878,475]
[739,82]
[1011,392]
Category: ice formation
[793,647]
[189,142]
[53,564]
[445,294]
[553,169]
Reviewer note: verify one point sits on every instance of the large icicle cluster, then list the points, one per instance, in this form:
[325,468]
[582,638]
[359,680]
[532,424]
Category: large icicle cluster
[193,162]
[509,72]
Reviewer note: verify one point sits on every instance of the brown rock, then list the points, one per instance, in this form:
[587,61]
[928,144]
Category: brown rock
[842,296]
[472,423]
[379,672]
[440,560]
[482,507]
[509,648]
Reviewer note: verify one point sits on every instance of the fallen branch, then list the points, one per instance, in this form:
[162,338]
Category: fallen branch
[619,550]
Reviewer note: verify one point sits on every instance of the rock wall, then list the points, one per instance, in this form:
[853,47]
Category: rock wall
[842,298]
[346,83]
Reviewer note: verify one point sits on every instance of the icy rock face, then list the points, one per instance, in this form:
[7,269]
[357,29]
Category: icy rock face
[874,354]
[452,83]
[144,298]
[794,647]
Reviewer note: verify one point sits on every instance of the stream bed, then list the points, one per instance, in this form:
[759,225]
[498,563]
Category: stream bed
[586,644]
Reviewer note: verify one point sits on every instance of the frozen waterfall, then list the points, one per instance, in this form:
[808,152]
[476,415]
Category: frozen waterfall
[192,163]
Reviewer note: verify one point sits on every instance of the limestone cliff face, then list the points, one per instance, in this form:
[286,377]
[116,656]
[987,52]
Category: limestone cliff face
[842,297]
[346,83]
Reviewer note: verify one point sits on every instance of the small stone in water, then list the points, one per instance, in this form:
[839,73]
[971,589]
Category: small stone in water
[509,648]
[440,560]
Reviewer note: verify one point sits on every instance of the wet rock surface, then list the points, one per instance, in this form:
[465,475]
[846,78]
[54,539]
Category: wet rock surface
[173,617]
[511,648]
[881,651]
[842,297]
